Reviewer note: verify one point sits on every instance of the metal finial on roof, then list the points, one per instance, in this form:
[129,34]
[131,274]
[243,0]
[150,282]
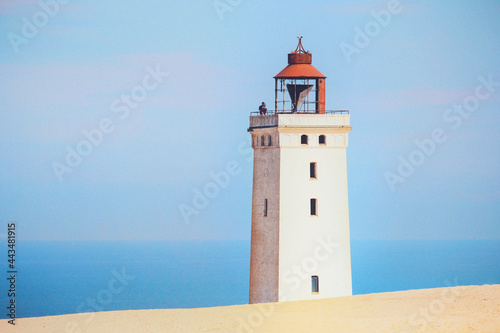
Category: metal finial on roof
[300,48]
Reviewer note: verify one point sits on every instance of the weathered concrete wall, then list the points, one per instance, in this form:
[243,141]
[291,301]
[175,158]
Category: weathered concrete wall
[264,256]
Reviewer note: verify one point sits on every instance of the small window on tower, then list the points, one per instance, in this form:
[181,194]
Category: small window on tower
[315,284]
[270,141]
[314,207]
[303,139]
[322,140]
[312,170]
[265,207]
[262,140]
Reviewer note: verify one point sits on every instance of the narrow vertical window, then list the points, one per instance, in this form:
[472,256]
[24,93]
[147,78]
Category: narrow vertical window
[262,141]
[315,284]
[314,207]
[322,140]
[312,170]
[303,139]
[265,207]
[270,141]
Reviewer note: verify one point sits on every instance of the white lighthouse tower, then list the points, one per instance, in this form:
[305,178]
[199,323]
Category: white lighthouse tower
[300,219]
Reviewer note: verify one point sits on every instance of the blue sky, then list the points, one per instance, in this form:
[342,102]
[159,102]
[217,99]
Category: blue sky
[407,78]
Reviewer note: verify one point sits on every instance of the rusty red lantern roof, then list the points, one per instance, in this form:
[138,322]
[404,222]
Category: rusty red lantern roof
[299,65]
[299,71]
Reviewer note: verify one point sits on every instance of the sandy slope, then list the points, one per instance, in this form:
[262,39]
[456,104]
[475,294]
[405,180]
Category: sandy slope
[457,309]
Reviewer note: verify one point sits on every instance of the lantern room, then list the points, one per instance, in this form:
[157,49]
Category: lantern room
[299,87]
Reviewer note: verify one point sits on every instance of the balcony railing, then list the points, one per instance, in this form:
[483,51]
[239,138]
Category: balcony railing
[272,112]
[337,118]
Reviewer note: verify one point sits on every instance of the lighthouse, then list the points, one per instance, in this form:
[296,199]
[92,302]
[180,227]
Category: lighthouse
[300,244]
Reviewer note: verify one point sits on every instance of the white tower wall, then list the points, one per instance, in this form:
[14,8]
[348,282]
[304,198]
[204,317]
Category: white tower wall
[289,246]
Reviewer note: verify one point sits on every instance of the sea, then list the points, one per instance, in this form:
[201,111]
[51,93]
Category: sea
[55,278]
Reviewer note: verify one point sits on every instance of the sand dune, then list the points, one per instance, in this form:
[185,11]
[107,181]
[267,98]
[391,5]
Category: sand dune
[454,309]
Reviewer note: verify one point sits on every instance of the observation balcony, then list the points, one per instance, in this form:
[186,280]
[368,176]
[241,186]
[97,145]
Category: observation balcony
[332,118]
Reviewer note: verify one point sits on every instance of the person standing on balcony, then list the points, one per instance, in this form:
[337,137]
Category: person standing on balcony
[262,109]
